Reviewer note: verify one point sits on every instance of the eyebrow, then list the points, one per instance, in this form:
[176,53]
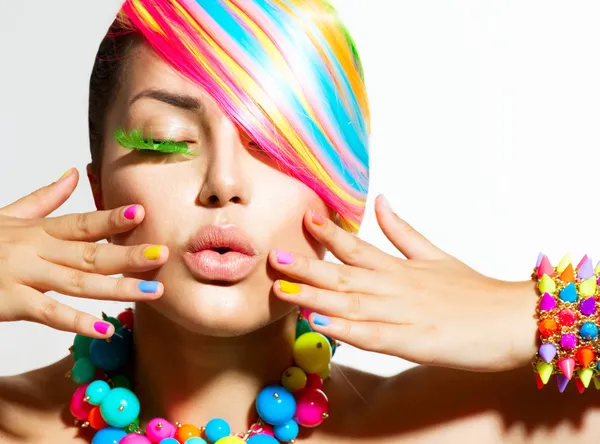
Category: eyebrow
[178,100]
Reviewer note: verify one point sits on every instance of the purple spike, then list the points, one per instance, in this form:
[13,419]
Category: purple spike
[547,302]
[548,352]
[587,307]
[586,270]
[539,259]
[562,382]
[583,259]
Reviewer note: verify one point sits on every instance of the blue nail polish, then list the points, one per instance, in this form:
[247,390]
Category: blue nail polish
[321,320]
[148,286]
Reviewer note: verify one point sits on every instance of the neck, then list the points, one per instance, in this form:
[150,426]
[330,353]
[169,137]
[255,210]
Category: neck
[189,378]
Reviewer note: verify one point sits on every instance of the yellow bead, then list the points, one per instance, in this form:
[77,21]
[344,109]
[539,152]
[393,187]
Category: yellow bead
[596,383]
[566,260]
[231,440]
[546,284]
[326,373]
[597,269]
[294,379]
[588,287]
[585,374]
[312,352]
[545,371]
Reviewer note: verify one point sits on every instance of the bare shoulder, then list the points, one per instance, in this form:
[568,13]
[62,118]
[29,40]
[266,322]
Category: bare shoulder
[425,404]
[34,406]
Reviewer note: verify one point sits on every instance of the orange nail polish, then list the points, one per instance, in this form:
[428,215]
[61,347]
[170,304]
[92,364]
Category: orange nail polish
[317,218]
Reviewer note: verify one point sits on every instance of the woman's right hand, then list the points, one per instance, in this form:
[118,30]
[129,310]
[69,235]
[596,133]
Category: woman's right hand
[40,254]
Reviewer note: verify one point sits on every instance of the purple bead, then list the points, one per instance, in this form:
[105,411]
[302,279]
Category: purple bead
[539,259]
[587,307]
[561,382]
[548,352]
[547,302]
[568,341]
[586,271]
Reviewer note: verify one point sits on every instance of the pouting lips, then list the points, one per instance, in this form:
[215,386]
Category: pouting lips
[221,250]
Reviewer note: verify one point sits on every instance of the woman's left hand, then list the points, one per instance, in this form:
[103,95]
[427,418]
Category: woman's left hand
[429,308]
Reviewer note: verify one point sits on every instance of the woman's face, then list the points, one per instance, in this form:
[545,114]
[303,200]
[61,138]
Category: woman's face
[229,182]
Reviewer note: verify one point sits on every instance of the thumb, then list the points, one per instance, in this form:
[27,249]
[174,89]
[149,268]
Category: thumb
[411,243]
[43,201]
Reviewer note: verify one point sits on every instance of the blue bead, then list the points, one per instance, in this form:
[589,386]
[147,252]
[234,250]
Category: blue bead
[262,439]
[108,435]
[169,441]
[110,356]
[589,331]
[569,293]
[116,398]
[216,429]
[287,431]
[193,440]
[97,390]
[275,405]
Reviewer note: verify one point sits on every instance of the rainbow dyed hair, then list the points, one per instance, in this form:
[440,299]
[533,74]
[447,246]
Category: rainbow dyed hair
[286,71]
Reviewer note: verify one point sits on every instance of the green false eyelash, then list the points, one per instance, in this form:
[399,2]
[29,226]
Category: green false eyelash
[135,140]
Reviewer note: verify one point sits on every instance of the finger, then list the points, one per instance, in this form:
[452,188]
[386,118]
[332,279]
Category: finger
[351,306]
[44,201]
[47,311]
[348,248]
[412,244]
[370,336]
[45,276]
[327,275]
[104,258]
[96,225]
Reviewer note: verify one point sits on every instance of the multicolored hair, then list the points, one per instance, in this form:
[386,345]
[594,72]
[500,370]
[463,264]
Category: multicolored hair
[286,71]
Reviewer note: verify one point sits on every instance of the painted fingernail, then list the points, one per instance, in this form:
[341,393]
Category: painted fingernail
[317,218]
[148,286]
[152,253]
[66,174]
[101,327]
[283,257]
[321,320]
[130,212]
[385,204]
[289,287]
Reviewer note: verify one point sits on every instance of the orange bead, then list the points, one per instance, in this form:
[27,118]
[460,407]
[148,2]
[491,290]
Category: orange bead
[548,327]
[585,356]
[95,418]
[186,432]
[567,274]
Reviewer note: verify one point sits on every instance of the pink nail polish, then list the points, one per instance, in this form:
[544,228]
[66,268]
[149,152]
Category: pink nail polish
[101,327]
[130,212]
[283,257]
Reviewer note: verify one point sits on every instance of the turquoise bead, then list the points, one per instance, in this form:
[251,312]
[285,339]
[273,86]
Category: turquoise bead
[120,397]
[287,431]
[275,405]
[110,356]
[302,327]
[569,293]
[83,371]
[108,435]
[169,441]
[97,390]
[262,439]
[216,429]
[589,331]
[194,440]
[81,347]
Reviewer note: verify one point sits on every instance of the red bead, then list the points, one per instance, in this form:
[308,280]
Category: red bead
[548,327]
[126,318]
[314,381]
[95,419]
[567,317]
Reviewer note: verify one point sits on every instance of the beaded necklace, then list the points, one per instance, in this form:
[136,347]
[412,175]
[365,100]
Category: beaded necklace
[104,401]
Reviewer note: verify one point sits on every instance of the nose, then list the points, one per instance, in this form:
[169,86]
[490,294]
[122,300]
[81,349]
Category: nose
[225,181]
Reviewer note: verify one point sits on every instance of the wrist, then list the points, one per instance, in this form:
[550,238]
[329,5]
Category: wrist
[523,322]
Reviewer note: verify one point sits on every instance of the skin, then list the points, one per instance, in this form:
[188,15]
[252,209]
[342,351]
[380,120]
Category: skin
[226,341]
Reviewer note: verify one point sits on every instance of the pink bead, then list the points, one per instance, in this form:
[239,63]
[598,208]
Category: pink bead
[134,438]
[567,317]
[312,406]
[156,433]
[267,429]
[314,381]
[305,312]
[79,408]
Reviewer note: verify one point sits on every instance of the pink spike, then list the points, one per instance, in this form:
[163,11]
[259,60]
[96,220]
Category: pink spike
[545,267]
[567,365]
[583,259]
[580,386]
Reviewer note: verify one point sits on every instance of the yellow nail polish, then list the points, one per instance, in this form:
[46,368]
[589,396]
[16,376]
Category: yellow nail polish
[65,174]
[289,287]
[152,252]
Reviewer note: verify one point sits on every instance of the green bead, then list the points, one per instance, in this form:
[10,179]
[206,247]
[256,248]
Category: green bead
[121,381]
[83,371]
[302,327]
[114,321]
[81,347]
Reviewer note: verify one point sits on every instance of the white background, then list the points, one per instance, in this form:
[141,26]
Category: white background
[485,130]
